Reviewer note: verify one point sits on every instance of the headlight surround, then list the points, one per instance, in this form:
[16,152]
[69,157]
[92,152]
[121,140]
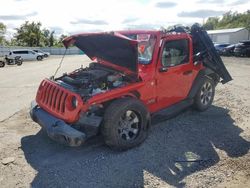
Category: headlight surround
[74,102]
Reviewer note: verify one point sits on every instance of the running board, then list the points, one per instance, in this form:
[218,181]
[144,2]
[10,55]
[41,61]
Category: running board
[171,111]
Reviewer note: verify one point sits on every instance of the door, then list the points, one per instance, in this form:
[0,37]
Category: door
[175,72]
[23,54]
[32,55]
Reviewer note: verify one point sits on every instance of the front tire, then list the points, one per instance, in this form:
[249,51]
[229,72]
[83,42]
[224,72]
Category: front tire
[126,123]
[19,62]
[2,64]
[205,95]
[39,58]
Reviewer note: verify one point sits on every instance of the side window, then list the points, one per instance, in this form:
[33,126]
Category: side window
[175,52]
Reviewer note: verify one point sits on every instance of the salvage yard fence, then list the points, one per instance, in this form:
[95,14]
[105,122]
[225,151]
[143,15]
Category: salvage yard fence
[52,50]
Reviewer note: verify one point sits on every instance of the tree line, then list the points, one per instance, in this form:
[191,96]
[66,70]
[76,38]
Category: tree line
[31,34]
[229,20]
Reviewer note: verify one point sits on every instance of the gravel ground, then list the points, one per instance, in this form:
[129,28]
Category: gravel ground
[209,149]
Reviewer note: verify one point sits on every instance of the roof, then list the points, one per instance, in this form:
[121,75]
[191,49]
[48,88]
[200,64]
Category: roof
[220,31]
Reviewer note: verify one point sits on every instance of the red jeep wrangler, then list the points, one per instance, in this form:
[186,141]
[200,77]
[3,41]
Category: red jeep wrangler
[135,75]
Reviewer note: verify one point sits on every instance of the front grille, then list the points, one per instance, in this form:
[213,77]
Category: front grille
[57,100]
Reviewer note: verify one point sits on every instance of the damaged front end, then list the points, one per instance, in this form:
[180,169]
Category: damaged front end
[70,107]
[57,129]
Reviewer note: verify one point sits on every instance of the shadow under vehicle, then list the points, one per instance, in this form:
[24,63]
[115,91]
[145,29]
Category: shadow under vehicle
[174,150]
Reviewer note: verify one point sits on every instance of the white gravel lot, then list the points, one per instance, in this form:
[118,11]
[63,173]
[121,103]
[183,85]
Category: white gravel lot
[218,140]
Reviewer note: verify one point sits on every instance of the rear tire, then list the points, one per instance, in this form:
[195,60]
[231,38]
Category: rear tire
[126,123]
[10,61]
[205,95]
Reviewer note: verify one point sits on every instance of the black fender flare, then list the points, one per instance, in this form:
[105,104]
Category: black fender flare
[198,81]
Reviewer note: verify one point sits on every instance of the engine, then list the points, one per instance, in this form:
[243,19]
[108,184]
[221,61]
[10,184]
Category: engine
[92,80]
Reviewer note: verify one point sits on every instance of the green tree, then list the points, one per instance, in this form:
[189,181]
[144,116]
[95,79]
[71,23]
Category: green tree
[45,35]
[229,20]
[58,43]
[52,39]
[29,34]
[2,32]
[211,23]
[33,35]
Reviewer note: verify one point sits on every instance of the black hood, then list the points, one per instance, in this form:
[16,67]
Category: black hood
[111,47]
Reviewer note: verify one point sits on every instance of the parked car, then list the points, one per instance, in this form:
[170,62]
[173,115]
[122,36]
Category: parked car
[229,50]
[45,54]
[25,55]
[219,47]
[242,49]
[136,75]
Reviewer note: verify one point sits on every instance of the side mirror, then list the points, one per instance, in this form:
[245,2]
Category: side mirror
[163,69]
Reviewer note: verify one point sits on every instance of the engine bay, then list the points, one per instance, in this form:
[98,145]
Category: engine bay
[93,80]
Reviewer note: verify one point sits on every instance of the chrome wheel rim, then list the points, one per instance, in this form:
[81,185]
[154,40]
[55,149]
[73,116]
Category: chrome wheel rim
[129,125]
[206,93]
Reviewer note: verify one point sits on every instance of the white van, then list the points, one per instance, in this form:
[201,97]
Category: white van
[25,55]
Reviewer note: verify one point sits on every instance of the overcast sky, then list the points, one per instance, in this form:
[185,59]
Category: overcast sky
[73,16]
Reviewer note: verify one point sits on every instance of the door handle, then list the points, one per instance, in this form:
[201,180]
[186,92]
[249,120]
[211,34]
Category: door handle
[188,72]
[163,69]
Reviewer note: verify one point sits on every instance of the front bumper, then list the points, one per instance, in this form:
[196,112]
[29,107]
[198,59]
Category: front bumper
[56,129]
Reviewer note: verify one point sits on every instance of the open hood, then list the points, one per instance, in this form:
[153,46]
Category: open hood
[113,48]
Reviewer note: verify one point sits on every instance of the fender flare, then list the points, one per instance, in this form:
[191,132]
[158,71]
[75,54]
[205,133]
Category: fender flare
[198,81]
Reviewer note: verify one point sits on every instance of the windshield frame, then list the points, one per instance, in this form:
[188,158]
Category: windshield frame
[146,43]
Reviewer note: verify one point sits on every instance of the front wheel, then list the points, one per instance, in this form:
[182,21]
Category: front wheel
[2,64]
[19,62]
[126,123]
[39,58]
[205,95]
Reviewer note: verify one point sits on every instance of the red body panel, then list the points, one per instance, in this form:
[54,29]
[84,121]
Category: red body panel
[58,101]
[157,90]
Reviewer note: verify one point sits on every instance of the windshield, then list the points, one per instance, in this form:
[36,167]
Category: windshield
[146,43]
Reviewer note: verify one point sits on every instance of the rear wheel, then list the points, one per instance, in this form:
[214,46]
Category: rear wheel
[205,95]
[10,61]
[125,124]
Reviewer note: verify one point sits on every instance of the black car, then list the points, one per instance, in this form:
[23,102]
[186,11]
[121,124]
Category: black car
[242,49]
[219,47]
[229,50]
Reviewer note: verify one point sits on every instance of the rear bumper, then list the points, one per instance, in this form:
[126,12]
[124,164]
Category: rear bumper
[56,129]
